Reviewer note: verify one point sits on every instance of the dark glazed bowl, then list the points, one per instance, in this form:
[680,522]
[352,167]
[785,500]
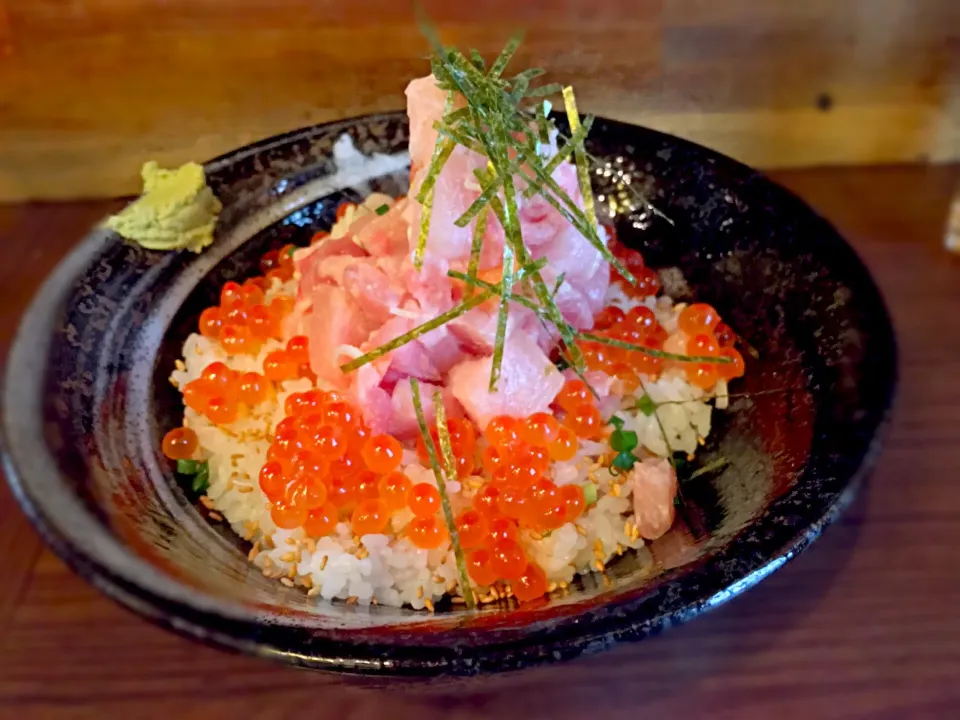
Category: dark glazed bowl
[86,402]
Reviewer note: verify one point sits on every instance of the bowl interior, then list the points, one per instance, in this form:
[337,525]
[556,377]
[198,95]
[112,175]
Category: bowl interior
[87,402]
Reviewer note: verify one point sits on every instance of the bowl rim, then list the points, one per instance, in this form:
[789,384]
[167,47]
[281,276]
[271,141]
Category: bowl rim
[138,586]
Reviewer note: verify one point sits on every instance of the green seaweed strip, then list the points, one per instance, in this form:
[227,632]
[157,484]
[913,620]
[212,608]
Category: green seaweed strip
[442,152]
[544,91]
[450,466]
[479,204]
[442,486]
[543,127]
[573,118]
[709,467]
[477,59]
[479,230]
[506,283]
[506,55]
[563,153]
[705,359]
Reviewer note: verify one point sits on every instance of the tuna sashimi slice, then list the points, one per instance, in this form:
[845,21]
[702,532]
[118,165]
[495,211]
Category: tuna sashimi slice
[335,321]
[528,382]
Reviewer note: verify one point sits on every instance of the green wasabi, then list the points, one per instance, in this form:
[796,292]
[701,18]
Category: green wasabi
[177,210]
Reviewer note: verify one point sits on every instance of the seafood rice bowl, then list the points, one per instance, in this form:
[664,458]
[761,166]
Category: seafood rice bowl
[380,430]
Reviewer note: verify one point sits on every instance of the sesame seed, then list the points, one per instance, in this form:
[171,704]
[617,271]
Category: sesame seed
[564,585]
[598,545]
[701,441]
[311,544]
[580,530]
[215,516]
[362,553]
[428,604]
[267,561]
[420,592]
[206,502]
[352,600]
[615,490]
[598,565]
[551,587]
[534,535]
[286,582]
[292,573]
[458,600]
[323,562]
[307,582]
[619,549]
[244,489]
[373,601]
[291,540]
[179,364]
[314,591]
[253,551]
[288,557]
[437,580]
[626,528]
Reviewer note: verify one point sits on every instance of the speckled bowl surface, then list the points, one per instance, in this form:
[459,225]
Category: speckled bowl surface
[86,403]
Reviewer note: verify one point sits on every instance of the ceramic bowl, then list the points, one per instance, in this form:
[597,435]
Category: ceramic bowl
[86,402]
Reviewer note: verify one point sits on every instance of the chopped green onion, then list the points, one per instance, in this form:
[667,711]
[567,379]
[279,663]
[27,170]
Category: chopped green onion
[188,467]
[616,421]
[590,493]
[201,481]
[623,440]
[383,209]
[624,461]
[442,430]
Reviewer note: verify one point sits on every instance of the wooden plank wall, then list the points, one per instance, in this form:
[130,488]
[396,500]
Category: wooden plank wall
[91,88]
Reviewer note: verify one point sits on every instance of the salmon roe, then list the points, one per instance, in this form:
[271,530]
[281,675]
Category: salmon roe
[370,517]
[180,444]
[423,499]
[427,533]
[479,567]
[531,584]
[382,453]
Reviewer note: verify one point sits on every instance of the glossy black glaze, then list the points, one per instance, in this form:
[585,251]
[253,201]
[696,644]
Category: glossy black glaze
[86,403]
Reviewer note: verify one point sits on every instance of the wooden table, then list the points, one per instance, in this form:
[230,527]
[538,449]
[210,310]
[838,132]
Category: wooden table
[866,624]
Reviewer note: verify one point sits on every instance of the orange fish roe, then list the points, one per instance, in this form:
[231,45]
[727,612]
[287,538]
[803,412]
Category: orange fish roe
[423,499]
[531,584]
[382,453]
[180,444]
[393,490]
[507,559]
[478,567]
[471,528]
[370,517]
[427,533]
[585,421]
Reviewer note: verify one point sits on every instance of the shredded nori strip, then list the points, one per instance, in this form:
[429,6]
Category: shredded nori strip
[443,435]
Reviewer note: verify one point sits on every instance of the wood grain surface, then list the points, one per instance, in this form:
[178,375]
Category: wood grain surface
[89,89]
[864,625]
